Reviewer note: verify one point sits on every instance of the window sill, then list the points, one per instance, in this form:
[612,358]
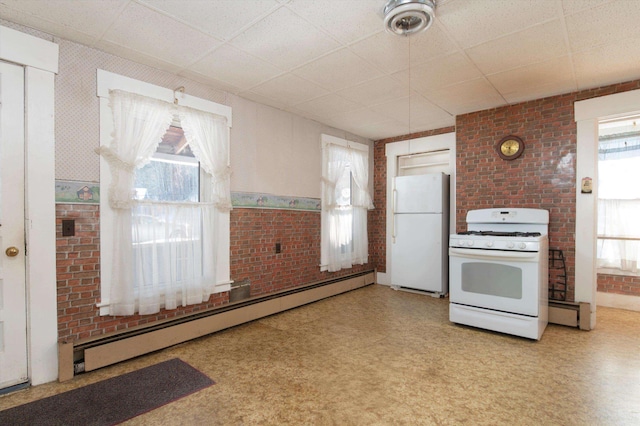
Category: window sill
[220,287]
[611,271]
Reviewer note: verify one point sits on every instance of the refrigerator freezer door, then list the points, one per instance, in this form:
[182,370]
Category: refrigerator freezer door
[419,194]
[417,254]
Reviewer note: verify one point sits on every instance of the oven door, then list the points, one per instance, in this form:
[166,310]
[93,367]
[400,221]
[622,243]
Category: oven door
[500,280]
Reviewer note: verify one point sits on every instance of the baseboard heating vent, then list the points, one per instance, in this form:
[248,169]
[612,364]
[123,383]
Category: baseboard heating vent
[91,354]
[570,314]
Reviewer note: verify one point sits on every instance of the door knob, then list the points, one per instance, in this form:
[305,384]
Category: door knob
[12,251]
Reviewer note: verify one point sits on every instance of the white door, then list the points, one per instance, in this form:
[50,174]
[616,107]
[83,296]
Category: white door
[13,324]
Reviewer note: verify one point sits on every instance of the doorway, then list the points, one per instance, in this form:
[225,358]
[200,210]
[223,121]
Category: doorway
[406,158]
[38,60]
[619,197]
[588,114]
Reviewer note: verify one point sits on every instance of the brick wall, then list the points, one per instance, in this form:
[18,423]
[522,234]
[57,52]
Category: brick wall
[619,284]
[254,233]
[543,177]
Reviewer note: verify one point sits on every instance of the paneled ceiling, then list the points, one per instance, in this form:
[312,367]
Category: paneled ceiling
[332,61]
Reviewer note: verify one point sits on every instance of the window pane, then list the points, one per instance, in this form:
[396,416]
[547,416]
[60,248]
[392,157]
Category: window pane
[173,173]
[167,180]
[343,189]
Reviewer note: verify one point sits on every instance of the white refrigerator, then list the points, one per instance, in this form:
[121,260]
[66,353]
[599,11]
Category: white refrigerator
[419,254]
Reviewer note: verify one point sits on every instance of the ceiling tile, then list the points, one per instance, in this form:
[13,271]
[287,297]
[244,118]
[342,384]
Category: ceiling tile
[540,80]
[284,40]
[46,27]
[381,129]
[331,60]
[144,30]
[474,95]
[392,53]
[422,112]
[347,24]
[572,6]
[475,22]
[521,48]
[338,70]
[358,118]
[235,67]
[396,109]
[210,81]
[56,17]
[426,115]
[221,18]
[136,56]
[614,21]
[289,89]
[608,64]
[430,44]
[442,72]
[380,90]
[386,51]
[328,106]
[263,100]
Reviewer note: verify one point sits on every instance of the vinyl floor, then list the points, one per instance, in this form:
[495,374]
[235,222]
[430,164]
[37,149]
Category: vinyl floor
[375,356]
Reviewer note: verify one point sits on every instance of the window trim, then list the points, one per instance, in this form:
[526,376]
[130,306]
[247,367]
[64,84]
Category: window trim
[107,81]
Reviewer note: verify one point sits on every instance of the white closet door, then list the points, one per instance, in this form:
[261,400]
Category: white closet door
[13,327]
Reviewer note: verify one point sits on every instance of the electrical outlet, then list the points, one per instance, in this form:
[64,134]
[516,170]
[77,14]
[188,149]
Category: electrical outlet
[278,248]
[68,227]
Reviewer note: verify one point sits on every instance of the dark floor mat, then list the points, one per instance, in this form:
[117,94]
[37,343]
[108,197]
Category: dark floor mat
[113,400]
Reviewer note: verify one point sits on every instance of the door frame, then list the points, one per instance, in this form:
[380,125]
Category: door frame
[414,146]
[39,58]
[587,114]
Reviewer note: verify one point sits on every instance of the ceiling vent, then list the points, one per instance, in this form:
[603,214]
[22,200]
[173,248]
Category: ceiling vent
[407,17]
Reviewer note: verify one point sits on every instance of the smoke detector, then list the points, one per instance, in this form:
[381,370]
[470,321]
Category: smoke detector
[407,17]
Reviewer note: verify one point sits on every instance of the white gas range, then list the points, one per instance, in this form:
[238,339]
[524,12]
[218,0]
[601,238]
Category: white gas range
[498,271]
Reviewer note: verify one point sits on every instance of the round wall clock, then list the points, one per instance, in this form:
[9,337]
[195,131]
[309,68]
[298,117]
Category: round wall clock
[510,147]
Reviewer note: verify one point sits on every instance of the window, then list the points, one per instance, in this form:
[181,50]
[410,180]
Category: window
[618,248]
[345,200]
[165,219]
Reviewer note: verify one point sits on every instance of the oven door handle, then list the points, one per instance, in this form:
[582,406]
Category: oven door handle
[498,255]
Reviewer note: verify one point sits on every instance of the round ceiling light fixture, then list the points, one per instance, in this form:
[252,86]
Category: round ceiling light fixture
[407,17]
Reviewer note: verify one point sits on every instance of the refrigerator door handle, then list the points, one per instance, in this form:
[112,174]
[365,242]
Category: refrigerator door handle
[393,215]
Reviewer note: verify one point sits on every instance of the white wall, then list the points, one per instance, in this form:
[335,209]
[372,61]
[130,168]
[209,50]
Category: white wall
[276,152]
[272,151]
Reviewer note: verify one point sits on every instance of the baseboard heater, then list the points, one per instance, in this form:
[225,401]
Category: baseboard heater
[570,314]
[91,354]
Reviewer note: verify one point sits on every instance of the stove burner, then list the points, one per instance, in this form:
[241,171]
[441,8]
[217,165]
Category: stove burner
[501,234]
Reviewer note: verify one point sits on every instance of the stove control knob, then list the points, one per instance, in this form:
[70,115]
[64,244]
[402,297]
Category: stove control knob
[510,245]
[522,245]
[489,244]
[470,243]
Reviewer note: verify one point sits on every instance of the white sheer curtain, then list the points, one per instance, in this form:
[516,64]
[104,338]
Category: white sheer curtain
[619,208]
[164,252]
[345,201]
